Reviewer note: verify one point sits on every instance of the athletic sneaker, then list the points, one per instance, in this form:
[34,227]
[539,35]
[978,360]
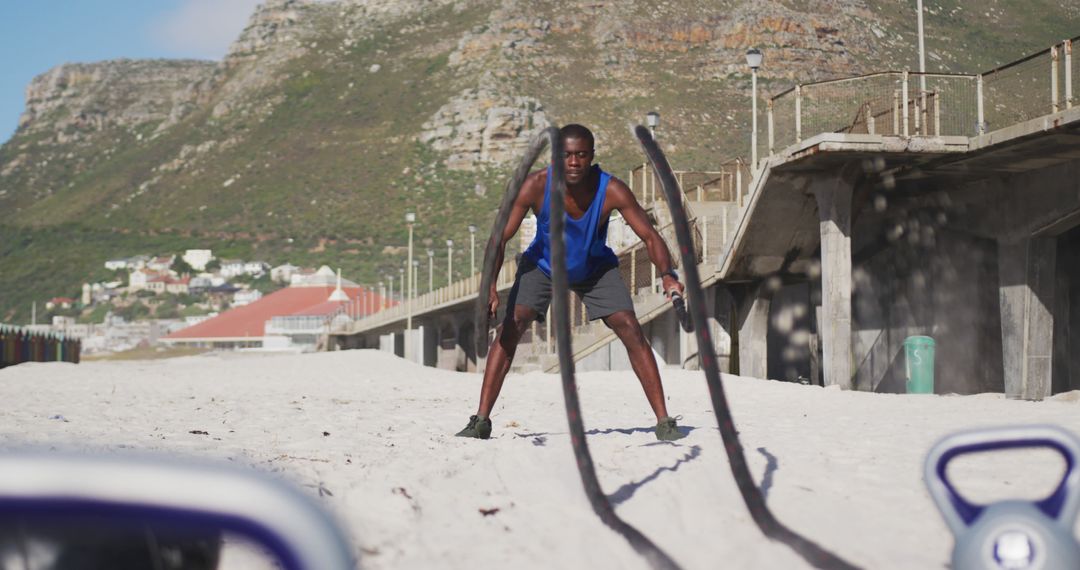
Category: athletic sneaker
[667,430]
[479,427]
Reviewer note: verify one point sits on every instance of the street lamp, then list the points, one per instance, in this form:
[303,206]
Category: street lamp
[753,59]
[410,219]
[472,249]
[449,261]
[430,270]
[922,46]
[922,66]
[402,286]
[652,118]
[390,278]
[415,279]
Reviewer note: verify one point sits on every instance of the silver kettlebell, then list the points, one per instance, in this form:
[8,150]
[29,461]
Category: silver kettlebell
[1012,534]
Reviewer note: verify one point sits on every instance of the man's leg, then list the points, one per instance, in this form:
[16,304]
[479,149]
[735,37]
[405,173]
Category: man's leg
[501,356]
[529,297]
[628,329]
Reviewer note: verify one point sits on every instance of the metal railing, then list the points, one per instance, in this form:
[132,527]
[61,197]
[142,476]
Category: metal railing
[891,103]
[907,103]
[727,183]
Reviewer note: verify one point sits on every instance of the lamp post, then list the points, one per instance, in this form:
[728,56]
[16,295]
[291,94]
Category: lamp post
[415,276]
[753,59]
[430,270]
[449,261]
[922,47]
[390,278]
[472,249]
[410,219]
[652,119]
[402,286]
[382,297]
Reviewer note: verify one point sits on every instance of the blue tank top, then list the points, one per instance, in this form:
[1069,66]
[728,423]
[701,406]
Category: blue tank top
[586,238]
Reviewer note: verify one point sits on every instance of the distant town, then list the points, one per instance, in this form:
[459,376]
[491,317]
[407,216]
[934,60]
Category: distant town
[153,296]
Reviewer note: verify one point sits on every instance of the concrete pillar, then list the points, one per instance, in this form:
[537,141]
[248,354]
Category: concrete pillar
[834,215]
[1026,275]
[753,313]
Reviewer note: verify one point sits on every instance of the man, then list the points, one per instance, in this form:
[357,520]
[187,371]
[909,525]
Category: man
[592,268]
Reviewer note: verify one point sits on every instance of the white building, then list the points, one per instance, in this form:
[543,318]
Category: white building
[116,264]
[138,279]
[198,258]
[246,297]
[283,273]
[256,268]
[322,278]
[232,267]
[161,263]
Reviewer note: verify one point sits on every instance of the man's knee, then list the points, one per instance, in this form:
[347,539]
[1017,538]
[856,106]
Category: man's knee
[518,321]
[626,326]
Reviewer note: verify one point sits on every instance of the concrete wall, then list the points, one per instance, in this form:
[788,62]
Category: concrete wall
[934,282]
[791,325]
[1066,368]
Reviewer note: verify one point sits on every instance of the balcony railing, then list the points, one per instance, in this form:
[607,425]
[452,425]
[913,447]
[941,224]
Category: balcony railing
[909,103]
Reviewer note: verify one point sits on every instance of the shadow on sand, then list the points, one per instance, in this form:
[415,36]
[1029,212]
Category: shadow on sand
[771,465]
[624,493]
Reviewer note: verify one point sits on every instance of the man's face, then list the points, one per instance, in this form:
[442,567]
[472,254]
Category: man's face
[578,159]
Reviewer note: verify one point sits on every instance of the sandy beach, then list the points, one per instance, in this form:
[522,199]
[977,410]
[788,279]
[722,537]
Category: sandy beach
[371,436]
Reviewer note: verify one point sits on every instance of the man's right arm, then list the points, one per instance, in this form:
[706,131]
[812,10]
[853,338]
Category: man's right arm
[525,200]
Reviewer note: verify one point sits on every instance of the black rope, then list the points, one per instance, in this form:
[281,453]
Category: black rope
[751,494]
[488,269]
[561,323]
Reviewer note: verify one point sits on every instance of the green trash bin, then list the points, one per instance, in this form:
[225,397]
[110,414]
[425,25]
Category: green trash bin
[919,352]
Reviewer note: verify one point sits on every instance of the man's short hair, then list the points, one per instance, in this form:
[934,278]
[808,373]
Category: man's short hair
[576,131]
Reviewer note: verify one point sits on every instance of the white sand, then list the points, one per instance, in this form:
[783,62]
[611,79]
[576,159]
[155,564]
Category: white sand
[845,467]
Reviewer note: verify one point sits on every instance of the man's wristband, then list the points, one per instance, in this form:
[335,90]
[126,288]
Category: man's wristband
[670,272]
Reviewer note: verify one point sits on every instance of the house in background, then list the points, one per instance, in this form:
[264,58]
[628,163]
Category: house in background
[283,273]
[301,275]
[116,264]
[161,263]
[324,277]
[256,268]
[246,297]
[232,268]
[129,263]
[59,303]
[198,258]
[178,286]
[140,279]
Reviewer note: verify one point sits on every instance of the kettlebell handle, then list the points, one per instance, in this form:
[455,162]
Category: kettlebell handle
[959,513]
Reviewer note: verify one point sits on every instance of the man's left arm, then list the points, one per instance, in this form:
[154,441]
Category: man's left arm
[623,200]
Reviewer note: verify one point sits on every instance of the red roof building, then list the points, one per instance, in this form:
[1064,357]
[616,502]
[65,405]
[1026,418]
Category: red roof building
[245,326]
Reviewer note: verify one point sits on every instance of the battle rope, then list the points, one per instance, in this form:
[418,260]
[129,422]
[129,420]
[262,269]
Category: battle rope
[502,216]
[561,322]
[755,502]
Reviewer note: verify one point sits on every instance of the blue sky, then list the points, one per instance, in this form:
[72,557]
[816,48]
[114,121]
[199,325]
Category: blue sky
[36,35]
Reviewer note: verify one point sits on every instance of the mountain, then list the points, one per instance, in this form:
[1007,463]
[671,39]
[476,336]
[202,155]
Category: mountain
[326,121]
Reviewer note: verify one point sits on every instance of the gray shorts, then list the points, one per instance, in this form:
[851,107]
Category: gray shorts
[603,294]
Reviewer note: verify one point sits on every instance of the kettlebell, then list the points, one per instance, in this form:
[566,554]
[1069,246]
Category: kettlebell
[1011,534]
